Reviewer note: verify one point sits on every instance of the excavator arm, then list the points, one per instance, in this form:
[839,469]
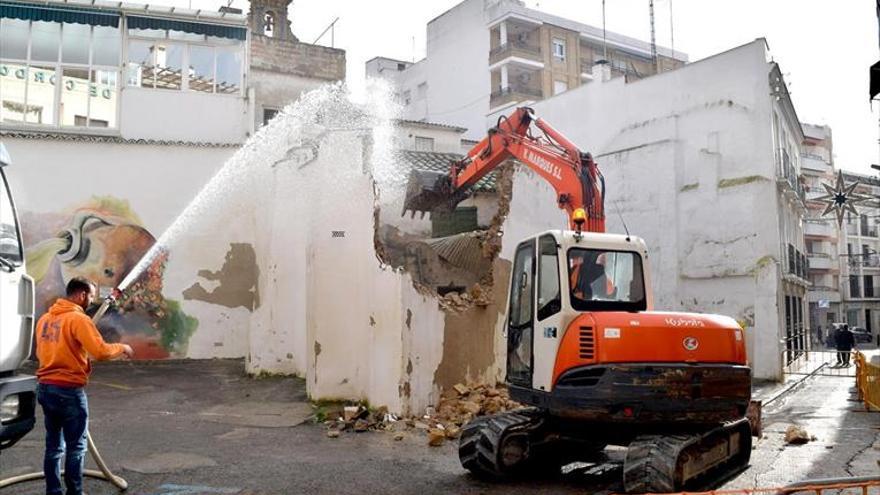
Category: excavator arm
[572,173]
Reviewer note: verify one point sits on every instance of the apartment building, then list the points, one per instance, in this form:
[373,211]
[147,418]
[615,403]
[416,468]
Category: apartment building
[821,232]
[709,176]
[486,56]
[860,258]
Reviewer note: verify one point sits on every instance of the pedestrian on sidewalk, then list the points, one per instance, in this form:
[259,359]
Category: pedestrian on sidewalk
[66,337]
[845,342]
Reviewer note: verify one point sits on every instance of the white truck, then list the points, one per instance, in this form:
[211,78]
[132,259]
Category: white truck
[17,390]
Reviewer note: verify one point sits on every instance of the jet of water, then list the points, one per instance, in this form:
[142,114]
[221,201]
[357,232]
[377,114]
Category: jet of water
[294,135]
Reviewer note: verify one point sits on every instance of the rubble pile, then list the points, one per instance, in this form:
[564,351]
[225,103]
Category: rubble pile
[457,406]
[459,302]
[796,435]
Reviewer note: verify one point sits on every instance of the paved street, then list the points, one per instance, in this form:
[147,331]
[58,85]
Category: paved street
[202,427]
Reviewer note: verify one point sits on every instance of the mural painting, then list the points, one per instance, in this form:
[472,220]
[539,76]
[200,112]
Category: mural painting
[102,240]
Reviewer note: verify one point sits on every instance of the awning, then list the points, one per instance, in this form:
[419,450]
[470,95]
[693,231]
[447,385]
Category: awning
[874,84]
[58,13]
[232,32]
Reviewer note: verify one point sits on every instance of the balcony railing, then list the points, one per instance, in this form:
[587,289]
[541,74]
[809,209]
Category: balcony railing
[515,48]
[788,174]
[513,94]
[818,229]
[796,262]
[820,261]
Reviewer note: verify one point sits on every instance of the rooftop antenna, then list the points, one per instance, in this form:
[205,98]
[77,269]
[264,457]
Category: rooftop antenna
[332,29]
[617,208]
[653,37]
[604,41]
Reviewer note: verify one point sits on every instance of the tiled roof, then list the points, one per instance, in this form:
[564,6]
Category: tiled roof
[439,162]
[422,123]
[91,138]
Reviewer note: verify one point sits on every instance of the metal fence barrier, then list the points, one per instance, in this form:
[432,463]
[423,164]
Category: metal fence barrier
[863,485]
[826,363]
[868,382]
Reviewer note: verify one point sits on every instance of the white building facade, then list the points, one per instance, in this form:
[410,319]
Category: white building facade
[485,57]
[116,116]
[704,164]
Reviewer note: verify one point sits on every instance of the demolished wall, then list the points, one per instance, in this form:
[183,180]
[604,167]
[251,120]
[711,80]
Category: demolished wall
[365,304]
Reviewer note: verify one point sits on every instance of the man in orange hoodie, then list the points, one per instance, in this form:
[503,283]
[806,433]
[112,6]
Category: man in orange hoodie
[65,337]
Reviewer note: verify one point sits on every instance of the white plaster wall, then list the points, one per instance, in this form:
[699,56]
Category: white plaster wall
[458,68]
[446,140]
[158,182]
[182,116]
[665,144]
[331,312]
[274,90]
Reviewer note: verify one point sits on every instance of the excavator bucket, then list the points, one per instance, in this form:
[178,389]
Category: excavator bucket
[427,191]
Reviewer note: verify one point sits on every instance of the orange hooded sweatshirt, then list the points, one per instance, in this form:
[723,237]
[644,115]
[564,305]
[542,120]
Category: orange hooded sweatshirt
[64,335]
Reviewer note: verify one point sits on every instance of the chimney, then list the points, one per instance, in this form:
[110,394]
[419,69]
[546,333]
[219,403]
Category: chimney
[601,71]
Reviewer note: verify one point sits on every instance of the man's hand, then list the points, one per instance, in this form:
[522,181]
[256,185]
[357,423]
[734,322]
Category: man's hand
[128,351]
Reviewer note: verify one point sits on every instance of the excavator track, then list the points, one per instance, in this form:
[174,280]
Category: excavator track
[666,463]
[497,446]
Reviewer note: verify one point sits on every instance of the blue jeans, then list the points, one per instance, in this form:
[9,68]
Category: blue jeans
[66,412]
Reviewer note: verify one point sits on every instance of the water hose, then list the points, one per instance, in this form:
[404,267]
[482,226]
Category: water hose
[104,473]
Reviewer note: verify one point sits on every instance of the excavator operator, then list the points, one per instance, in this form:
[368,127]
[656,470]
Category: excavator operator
[585,269]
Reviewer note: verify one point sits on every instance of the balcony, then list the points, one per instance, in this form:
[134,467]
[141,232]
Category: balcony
[820,261]
[787,178]
[870,292]
[822,293]
[513,94]
[815,163]
[515,48]
[819,229]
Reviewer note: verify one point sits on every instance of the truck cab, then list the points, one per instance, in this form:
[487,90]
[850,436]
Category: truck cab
[17,391]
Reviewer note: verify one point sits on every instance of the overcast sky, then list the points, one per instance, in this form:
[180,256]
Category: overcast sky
[823,47]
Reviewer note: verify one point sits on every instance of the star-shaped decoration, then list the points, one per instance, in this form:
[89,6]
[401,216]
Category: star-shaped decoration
[841,198]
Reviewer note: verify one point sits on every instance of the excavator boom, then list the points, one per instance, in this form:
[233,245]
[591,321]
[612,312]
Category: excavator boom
[572,173]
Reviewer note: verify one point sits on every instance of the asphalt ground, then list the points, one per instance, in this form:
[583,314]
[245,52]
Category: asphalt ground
[205,427]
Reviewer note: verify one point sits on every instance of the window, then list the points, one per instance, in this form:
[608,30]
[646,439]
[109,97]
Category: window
[59,74]
[407,97]
[422,91]
[424,143]
[559,87]
[559,48]
[606,280]
[269,114]
[401,66]
[15,39]
[213,65]
[519,316]
[10,244]
[549,296]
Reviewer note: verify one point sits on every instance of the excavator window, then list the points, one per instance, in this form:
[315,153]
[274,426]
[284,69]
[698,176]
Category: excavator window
[520,321]
[604,280]
[549,297]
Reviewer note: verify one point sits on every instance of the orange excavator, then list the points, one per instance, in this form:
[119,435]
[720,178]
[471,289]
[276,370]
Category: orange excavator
[586,353]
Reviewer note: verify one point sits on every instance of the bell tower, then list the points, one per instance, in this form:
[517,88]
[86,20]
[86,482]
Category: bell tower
[269,18]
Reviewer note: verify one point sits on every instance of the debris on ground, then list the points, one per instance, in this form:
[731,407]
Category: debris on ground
[797,435]
[457,406]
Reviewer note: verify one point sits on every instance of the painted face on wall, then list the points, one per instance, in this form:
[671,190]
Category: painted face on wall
[101,251]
